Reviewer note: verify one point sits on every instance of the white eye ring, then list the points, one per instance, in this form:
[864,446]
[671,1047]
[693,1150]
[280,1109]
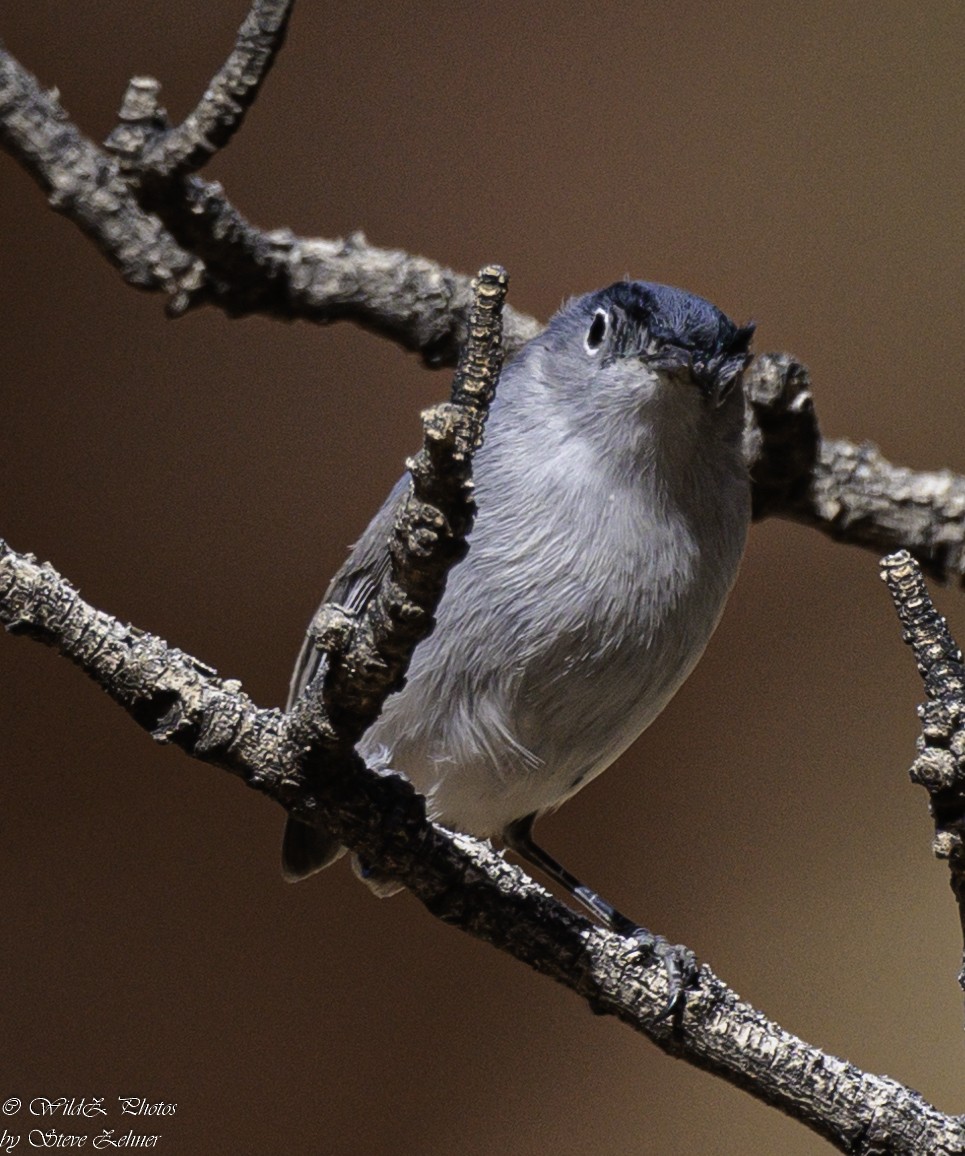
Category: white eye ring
[599,327]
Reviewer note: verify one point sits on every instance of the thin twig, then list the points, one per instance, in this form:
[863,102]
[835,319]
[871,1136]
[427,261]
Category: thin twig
[367,656]
[430,531]
[228,96]
[940,765]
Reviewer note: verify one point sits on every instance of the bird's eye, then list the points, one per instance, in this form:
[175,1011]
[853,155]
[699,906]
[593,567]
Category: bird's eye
[597,331]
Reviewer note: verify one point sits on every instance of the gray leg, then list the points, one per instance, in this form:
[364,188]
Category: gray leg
[679,964]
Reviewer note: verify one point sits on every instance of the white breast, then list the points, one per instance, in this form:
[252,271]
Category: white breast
[552,654]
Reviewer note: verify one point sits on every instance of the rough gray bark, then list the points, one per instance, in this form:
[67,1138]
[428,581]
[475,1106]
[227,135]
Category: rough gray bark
[229,95]
[940,765]
[462,881]
[855,495]
[232,265]
[196,248]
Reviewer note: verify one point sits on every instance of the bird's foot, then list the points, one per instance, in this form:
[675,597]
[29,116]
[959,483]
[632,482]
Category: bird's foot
[679,964]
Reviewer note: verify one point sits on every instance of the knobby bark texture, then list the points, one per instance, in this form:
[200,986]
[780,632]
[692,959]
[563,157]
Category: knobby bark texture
[430,534]
[228,96]
[367,655]
[167,230]
[171,232]
[228,262]
[940,765]
[460,880]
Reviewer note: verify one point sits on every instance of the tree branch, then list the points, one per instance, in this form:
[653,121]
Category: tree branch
[84,184]
[464,882]
[847,491]
[220,112]
[368,657]
[855,495]
[413,301]
[940,765]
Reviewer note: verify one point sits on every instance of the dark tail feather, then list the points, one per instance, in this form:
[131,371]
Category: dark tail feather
[306,850]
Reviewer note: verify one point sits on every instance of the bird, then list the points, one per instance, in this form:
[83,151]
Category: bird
[612,508]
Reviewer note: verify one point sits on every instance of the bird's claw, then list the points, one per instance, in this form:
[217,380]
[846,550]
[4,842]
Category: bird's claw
[679,964]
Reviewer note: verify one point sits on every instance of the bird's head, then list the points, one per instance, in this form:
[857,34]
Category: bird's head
[639,361]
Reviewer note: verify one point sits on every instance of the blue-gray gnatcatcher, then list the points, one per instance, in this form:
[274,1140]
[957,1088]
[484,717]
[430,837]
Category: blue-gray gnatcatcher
[612,507]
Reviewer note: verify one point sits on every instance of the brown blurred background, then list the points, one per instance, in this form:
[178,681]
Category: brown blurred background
[801,165]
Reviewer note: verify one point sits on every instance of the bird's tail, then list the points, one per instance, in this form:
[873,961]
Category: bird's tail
[307,849]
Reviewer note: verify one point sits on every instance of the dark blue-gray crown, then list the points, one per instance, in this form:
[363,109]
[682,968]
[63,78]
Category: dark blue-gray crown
[671,316]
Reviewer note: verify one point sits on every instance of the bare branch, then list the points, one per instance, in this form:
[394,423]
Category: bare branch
[221,110]
[173,696]
[940,765]
[84,185]
[205,251]
[369,658]
[465,883]
[781,435]
[414,301]
[847,491]
[854,495]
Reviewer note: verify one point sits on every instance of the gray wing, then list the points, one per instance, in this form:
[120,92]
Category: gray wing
[354,584]
[307,849]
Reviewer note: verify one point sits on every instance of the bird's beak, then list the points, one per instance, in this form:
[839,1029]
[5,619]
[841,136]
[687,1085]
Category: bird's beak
[717,379]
